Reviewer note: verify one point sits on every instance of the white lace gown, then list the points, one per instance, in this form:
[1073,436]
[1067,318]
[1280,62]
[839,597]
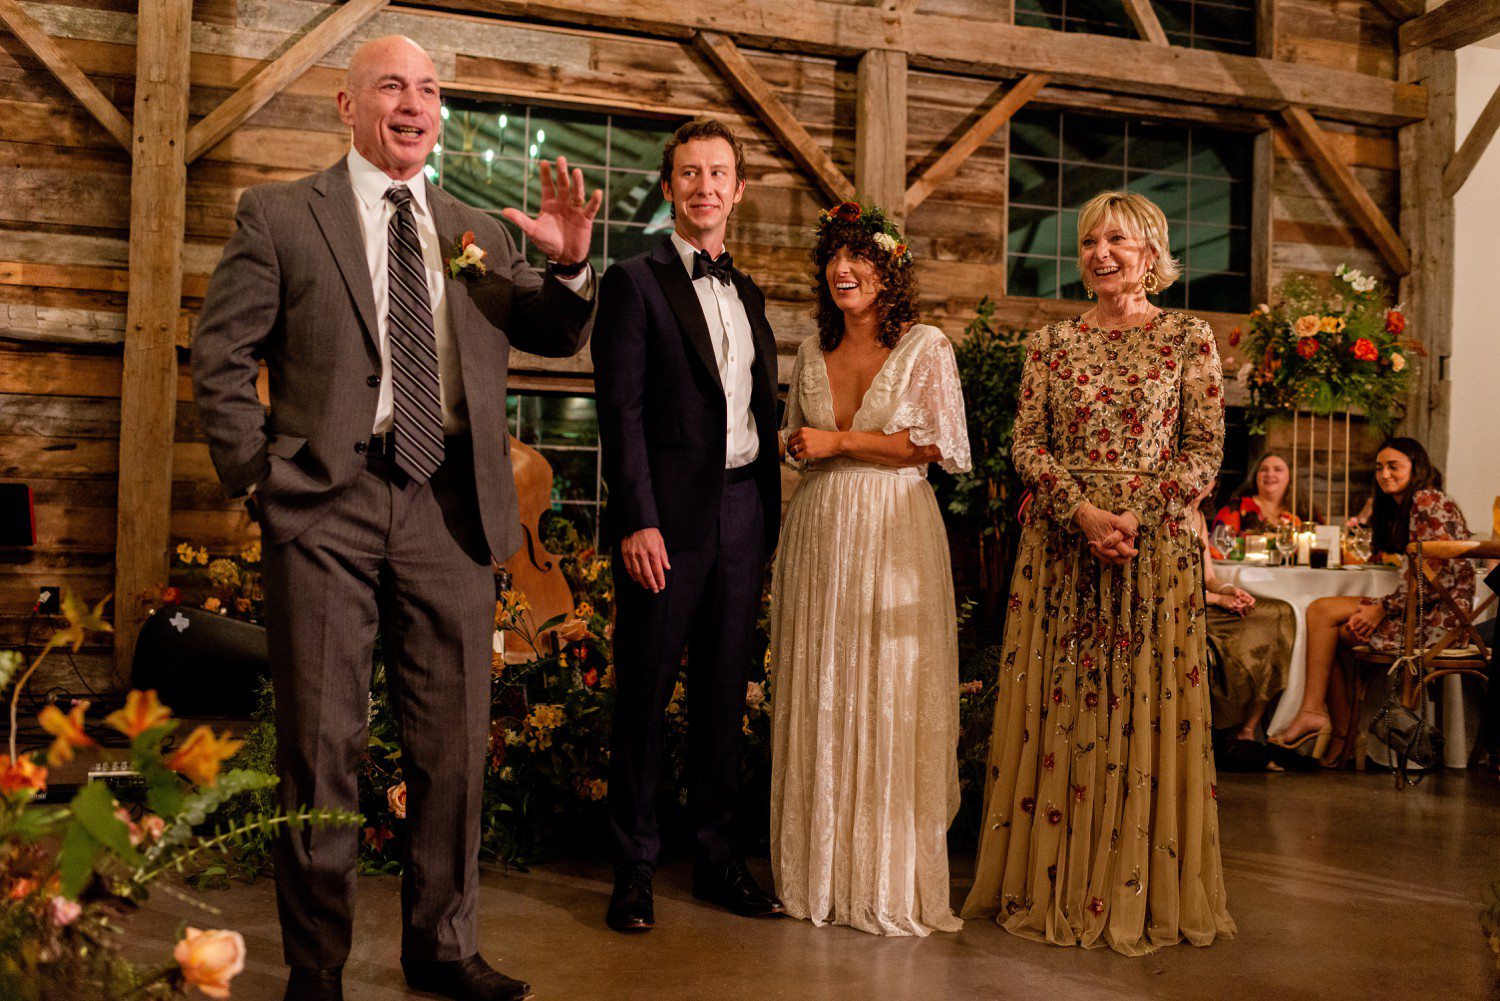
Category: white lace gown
[864,777]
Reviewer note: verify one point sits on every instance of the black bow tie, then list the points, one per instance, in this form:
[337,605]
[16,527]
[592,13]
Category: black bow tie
[721,267]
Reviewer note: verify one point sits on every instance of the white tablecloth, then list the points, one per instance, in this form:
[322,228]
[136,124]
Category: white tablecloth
[1299,587]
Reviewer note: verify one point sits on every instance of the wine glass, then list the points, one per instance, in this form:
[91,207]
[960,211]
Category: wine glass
[1222,538]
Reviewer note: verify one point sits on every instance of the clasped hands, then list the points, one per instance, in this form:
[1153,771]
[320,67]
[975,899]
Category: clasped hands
[1111,536]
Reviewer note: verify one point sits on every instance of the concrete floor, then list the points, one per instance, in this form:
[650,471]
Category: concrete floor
[1342,888]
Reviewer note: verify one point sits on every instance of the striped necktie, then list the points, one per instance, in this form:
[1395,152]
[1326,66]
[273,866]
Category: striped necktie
[418,417]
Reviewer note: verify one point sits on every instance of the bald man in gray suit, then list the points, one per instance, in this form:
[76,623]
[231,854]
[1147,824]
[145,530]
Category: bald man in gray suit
[381,481]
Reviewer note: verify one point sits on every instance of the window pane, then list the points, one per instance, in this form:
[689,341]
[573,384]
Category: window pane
[1080,183]
[575,475]
[1209,249]
[1072,289]
[1093,140]
[1033,231]
[1221,293]
[1176,16]
[1033,182]
[1220,203]
[628,241]
[1159,148]
[561,420]
[575,135]
[473,127]
[490,186]
[1174,297]
[636,144]
[1222,154]
[1168,191]
[593,177]
[637,198]
[1034,133]
[1223,22]
[1033,276]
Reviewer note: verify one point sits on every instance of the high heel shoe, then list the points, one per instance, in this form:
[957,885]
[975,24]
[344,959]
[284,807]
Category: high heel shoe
[1319,738]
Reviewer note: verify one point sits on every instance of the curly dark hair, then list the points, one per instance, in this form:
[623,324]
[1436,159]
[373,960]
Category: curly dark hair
[897,299]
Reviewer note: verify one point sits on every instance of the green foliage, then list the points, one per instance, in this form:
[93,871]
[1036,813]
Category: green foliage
[1328,346]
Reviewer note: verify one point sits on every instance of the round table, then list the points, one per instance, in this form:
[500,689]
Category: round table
[1299,587]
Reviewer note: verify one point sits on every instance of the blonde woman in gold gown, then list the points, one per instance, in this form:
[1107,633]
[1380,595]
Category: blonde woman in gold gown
[1100,821]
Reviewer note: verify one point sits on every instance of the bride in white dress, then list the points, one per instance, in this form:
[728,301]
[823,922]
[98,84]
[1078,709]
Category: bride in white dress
[864,779]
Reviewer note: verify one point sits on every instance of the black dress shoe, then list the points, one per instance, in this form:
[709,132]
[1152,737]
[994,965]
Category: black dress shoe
[469,979]
[309,984]
[631,906]
[733,888]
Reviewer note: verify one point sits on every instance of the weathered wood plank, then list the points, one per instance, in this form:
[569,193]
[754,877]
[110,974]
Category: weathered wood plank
[990,48]
[1147,24]
[148,398]
[1452,25]
[880,114]
[988,124]
[726,56]
[277,74]
[36,39]
[1336,174]
[1475,143]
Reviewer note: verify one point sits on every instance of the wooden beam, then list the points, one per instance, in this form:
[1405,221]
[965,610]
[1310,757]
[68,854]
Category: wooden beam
[1475,143]
[1428,221]
[1341,181]
[1265,28]
[880,131]
[148,397]
[731,62]
[274,76]
[70,76]
[1452,26]
[975,136]
[991,49]
[1401,11]
[1262,216]
[1147,24]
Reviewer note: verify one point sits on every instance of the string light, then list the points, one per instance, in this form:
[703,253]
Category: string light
[504,121]
[444,112]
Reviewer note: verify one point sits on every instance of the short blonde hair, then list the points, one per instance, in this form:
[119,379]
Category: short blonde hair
[1140,215]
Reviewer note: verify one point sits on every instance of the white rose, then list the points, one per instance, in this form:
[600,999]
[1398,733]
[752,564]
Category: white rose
[885,242]
[1398,361]
[472,255]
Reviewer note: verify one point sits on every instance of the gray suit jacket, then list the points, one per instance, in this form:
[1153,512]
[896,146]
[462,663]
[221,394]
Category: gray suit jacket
[293,288]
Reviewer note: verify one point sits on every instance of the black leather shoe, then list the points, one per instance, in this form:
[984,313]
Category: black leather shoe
[309,984]
[733,888]
[469,979]
[632,907]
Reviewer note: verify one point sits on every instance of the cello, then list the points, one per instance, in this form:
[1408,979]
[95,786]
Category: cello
[534,571]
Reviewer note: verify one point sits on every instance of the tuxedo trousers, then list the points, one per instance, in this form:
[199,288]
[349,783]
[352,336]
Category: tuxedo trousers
[407,562]
[709,606]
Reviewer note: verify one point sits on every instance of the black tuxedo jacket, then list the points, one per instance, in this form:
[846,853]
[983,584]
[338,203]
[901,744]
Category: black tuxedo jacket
[661,403]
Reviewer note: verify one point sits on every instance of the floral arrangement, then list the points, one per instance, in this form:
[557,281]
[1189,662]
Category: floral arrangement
[884,231]
[1340,348]
[229,584]
[69,873]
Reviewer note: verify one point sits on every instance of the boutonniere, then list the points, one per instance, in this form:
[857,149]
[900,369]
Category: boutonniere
[468,258]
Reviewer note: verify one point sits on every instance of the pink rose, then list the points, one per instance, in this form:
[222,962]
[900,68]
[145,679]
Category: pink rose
[396,798]
[63,911]
[210,959]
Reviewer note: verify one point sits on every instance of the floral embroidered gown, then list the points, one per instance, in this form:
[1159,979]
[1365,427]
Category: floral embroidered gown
[1100,821]
[864,657]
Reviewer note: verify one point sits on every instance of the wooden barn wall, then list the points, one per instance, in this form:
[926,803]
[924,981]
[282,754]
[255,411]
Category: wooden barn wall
[64,211]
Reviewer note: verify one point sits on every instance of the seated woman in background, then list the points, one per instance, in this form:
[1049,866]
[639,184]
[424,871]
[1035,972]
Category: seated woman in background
[1409,506]
[1260,503]
[1250,640]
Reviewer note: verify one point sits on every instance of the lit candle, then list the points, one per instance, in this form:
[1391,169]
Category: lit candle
[1304,548]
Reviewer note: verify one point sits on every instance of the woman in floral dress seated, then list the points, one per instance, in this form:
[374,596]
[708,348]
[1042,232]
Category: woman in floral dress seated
[864,645]
[1100,825]
[1409,505]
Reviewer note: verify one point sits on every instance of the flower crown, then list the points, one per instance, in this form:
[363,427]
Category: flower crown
[886,234]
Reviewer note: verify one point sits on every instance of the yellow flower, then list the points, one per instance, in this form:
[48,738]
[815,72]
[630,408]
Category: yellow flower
[201,755]
[68,729]
[211,604]
[596,789]
[1306,326]
[142,712]
[224,573]
[584,610]
[1331,324]
[210,959]
[81,621]
[545,717]
[251,553]
[1398,361]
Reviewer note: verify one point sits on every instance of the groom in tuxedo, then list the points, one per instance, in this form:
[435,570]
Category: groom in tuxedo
[685,366]
[382,484]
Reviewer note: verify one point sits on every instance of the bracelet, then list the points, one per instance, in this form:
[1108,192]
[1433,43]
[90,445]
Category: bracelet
[567,270]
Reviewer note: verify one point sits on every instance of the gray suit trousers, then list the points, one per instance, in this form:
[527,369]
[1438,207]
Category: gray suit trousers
[409,562]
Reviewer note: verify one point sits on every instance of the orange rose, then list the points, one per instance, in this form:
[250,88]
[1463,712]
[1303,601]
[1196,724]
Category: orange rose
[210,959]
[68,729]
[1306,326]
[395,798]
[1365,350]
[142,712]
[1395,321]
[1307,347]
[201,754]
[22,773]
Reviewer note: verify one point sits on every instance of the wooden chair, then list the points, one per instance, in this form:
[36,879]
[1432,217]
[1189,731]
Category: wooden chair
[1460,652]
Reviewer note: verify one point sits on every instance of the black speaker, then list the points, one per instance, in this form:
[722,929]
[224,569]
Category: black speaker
[17,516]
[200,663]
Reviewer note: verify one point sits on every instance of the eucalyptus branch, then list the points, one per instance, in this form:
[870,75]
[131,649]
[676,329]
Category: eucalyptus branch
[319,816]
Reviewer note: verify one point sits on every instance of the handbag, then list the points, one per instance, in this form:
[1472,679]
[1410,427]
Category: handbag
[1402,728]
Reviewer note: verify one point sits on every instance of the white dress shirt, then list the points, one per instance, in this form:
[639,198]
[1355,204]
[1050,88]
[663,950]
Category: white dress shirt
[375,212]
[734,350]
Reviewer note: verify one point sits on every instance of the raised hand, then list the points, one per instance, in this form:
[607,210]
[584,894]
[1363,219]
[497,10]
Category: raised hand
[564,225]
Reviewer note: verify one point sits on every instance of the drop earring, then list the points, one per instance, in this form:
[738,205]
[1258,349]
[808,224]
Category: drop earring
[1150,283]
[1088,290]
